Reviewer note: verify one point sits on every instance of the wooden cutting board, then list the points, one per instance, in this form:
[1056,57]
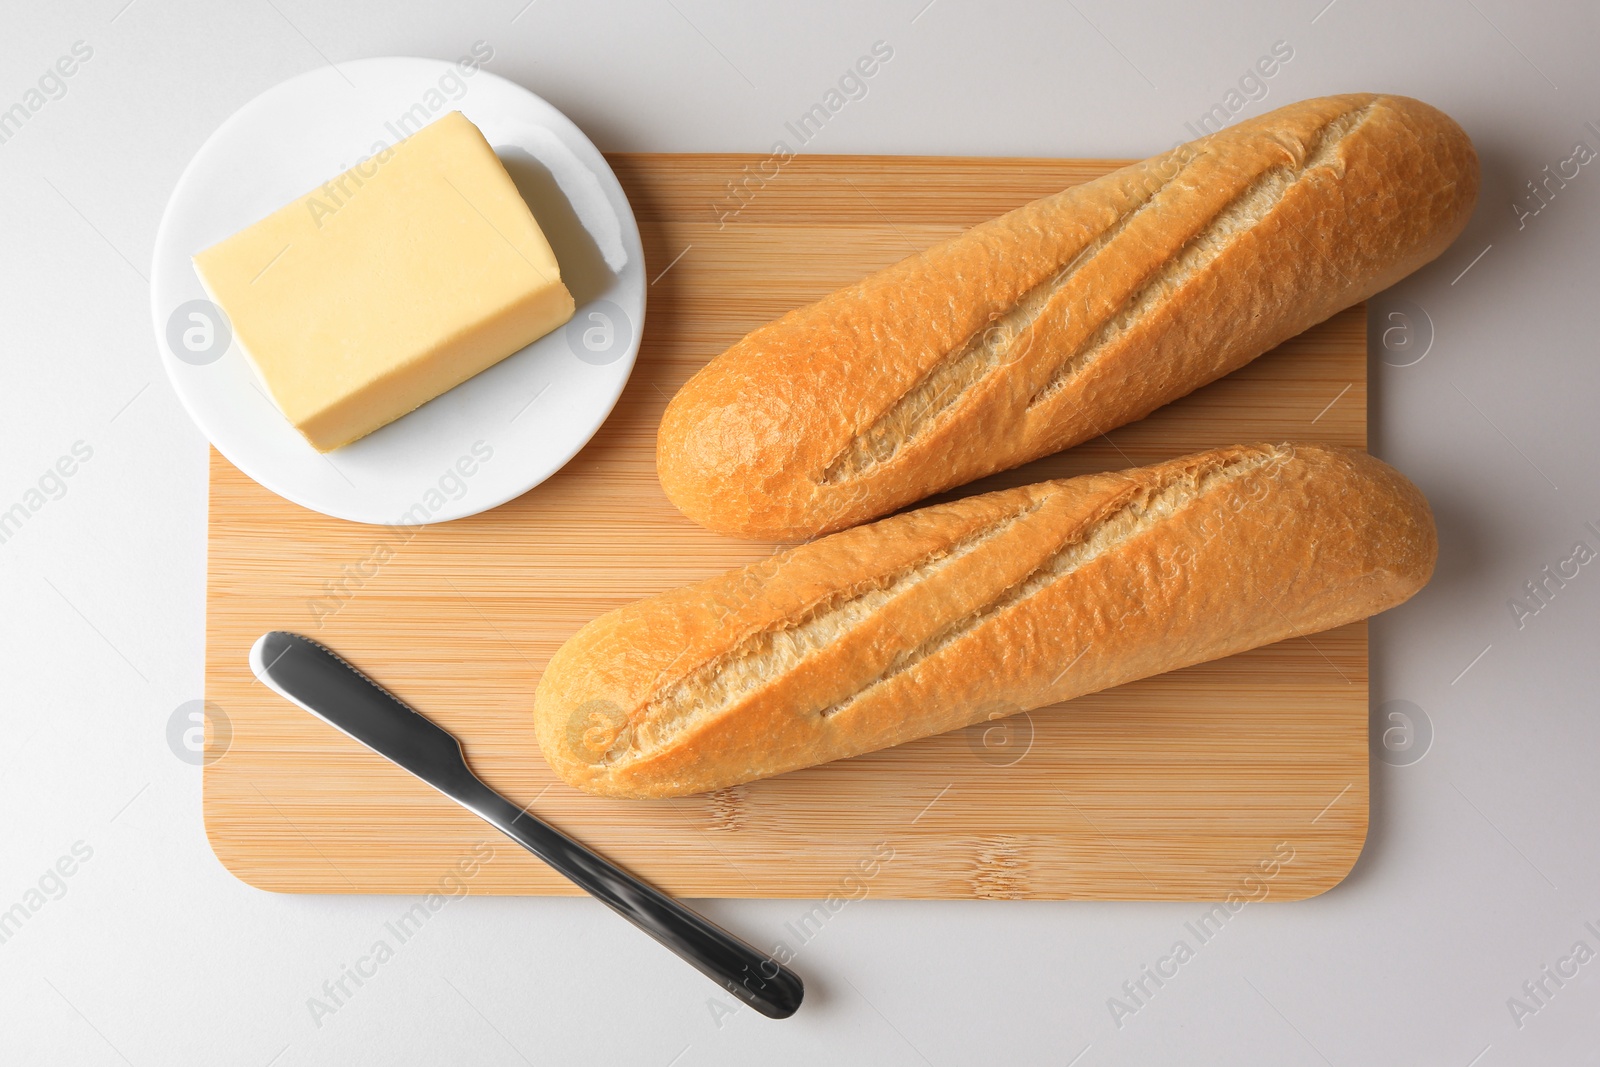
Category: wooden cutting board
[1244,777]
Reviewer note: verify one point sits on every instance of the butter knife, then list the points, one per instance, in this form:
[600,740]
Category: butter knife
[320,681]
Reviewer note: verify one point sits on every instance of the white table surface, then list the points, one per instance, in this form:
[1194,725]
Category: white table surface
[1481,868]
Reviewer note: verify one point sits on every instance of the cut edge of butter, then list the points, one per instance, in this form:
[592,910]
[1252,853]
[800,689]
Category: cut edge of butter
[445,369]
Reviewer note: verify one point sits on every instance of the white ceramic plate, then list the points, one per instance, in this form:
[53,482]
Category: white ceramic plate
[494,436]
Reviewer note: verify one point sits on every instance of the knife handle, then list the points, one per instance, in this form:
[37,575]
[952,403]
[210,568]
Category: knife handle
[750,975]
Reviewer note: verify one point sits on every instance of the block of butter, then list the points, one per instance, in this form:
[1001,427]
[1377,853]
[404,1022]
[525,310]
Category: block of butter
[392,283]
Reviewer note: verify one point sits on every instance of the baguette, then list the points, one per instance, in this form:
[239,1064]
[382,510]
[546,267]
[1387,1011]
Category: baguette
[1065,318]
[951,614]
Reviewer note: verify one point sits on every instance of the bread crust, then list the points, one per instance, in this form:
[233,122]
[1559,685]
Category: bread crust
[948,615]
[1067,317]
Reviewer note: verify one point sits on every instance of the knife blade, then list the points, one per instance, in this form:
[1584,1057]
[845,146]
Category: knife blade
[322,682]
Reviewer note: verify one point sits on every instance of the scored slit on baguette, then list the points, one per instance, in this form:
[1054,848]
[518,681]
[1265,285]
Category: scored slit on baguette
[1065,318]
[951,614]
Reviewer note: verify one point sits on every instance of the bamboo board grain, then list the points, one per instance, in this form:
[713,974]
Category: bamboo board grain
[1182,787]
